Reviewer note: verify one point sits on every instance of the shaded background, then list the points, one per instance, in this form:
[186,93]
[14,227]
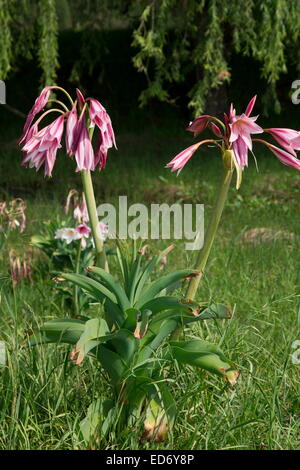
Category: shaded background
[128,53]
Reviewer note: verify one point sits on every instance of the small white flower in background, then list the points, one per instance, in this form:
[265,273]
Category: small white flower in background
[59,234]
[68,234]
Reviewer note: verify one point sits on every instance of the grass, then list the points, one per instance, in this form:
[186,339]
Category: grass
[43,396]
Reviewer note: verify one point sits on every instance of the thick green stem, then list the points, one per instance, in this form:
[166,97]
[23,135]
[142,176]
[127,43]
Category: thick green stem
[94,221]
[210,236]
[77,269]
[209,239]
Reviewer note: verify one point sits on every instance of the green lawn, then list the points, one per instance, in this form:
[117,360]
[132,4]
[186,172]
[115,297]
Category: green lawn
[43,396]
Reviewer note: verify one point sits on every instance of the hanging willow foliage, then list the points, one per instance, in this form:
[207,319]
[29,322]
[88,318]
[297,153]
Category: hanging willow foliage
[6,39]
[173,40]
[48,47]
[28,27]
[175,37]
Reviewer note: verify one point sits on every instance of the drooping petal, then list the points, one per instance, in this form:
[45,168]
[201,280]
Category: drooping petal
[199,124]
[250,106]
[216,130]
[241,152]
[231,112]
[289,139]
[285,157]
[72,131]
[39,104]
[106,139]
[295,143]
[182,158]
[84,153]
[80,97]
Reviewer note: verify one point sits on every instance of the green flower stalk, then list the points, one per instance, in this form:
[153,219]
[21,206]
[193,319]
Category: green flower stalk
[233,138]
[211,233]
[94,221]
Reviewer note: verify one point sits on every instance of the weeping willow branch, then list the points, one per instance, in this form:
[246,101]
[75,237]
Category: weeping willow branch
[6,39]
[48,46]
[175,37]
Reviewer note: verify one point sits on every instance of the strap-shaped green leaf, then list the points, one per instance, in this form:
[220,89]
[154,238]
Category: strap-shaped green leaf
[162,283]
[160,304]
[95,332]
[206,355]
[113,314]
[142,323]
[134,278]
[183,316]
[113,285]
[98,419]
[160,413]
[149,345]
[125,344]
[61,330]
[215,311]
[112,363]
[131,316]
[92,287]
[147,272]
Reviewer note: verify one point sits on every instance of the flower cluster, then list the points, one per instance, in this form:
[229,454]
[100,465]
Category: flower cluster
[40,146]
[234,135]
[80,212]
[80,232]
[20,268]
[12,215]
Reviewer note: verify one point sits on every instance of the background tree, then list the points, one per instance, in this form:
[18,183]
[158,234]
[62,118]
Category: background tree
[174,41]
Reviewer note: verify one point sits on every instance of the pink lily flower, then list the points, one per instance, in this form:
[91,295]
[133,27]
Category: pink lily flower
[42,146]
[235,135]
[39,104]
[241,128]
[78,141]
